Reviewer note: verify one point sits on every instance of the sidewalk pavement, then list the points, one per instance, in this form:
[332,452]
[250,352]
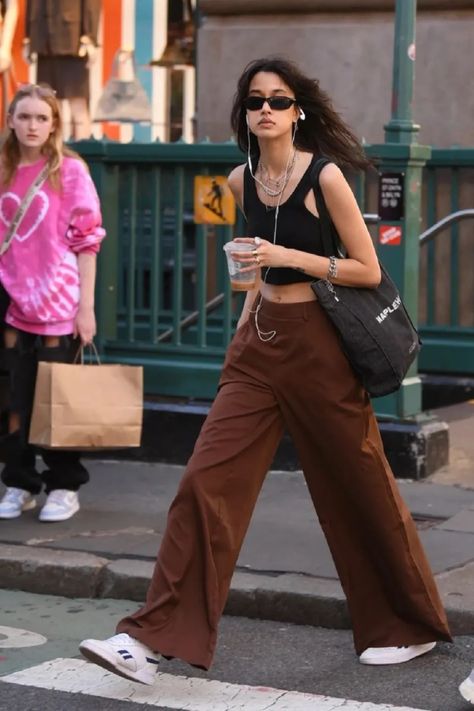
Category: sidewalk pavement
[285,571]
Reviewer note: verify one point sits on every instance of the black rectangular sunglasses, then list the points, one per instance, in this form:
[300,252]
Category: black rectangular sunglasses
[276,103]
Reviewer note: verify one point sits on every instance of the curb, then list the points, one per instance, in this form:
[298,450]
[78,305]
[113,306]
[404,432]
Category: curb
[292,598]
[414,450]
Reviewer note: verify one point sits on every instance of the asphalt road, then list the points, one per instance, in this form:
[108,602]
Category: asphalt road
[253,653]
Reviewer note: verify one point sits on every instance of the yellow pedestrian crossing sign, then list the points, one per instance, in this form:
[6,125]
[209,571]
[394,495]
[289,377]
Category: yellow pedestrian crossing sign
[213,201]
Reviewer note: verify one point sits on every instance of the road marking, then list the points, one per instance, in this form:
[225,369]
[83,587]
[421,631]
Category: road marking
[178,692]
[14,637]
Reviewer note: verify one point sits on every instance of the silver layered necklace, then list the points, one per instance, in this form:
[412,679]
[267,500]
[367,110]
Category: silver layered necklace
[274,187]
[277,193]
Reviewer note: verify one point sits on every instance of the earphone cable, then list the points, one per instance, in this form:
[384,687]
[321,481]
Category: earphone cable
[266,336]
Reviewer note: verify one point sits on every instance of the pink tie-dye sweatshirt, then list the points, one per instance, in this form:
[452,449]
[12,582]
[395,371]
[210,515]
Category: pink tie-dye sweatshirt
[40,271]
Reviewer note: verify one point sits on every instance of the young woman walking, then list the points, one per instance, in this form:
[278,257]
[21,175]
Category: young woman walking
[285,367]
[50,232]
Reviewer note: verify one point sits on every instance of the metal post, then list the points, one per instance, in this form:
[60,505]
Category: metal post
[401,128]
[400,162]
[409,435]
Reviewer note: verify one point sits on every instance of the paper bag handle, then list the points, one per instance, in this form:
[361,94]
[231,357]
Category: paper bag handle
[93,350]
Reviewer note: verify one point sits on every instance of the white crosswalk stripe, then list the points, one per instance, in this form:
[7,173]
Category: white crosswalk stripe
[178,692]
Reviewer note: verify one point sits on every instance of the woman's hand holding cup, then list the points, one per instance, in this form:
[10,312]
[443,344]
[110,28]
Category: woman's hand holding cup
[243,262]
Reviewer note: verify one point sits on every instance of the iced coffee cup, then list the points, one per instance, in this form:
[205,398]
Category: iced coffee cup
[240,281]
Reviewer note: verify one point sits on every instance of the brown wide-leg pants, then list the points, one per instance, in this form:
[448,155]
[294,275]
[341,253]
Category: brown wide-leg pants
[300,379]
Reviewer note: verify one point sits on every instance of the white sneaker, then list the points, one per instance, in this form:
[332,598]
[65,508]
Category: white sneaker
[15,501]
[60,505]
[123,655]
[394,655]
[467,688]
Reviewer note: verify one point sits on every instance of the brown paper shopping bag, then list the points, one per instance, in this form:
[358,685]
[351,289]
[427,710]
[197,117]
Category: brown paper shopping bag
[79,406]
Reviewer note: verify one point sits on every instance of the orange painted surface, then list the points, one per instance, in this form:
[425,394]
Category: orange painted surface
[19,69]
[112,39]
[20,66]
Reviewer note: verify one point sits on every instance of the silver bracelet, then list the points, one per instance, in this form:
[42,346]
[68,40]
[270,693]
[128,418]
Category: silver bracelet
[332,270]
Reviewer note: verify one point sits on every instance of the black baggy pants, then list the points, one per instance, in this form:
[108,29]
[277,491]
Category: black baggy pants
[64,469]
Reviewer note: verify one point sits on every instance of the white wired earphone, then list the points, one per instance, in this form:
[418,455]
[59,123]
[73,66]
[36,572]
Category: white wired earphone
[268,335]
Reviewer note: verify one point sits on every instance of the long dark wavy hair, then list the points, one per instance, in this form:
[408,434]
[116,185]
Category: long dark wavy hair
[323,132]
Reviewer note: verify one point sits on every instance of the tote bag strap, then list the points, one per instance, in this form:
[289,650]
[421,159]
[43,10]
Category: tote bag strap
[22,208]
[329,236]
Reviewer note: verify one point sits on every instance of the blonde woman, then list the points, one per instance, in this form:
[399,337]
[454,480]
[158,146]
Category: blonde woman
[47,278]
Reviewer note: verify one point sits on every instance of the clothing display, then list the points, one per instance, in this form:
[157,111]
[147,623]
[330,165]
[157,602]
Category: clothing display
[69,76]
[55,27]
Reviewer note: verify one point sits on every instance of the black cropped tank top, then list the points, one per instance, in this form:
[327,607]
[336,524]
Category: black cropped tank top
[297,227]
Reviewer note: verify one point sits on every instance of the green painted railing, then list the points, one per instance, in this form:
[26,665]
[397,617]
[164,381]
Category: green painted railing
[161,277]
[163,296]
[447,264]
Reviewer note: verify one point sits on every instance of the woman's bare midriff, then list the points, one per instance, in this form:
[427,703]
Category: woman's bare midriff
[288,293]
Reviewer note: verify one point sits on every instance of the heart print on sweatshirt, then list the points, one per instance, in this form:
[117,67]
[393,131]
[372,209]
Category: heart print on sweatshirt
[37,211]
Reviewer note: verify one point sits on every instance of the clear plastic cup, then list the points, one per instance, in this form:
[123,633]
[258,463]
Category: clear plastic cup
[240,281]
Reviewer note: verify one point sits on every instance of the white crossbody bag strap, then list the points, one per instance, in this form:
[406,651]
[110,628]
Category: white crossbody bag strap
[22,208]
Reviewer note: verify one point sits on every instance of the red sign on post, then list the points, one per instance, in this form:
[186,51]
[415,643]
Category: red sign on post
[390,234]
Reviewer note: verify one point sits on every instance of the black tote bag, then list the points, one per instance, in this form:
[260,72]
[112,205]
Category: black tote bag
[375,330]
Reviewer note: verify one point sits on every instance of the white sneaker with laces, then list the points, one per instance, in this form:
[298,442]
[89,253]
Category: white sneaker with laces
[467,688]
[123,655]
[60,505]
[394,655]
[15,501]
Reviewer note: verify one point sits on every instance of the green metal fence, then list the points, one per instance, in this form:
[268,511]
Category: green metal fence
[158,271]
[447,265]
[163,296]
